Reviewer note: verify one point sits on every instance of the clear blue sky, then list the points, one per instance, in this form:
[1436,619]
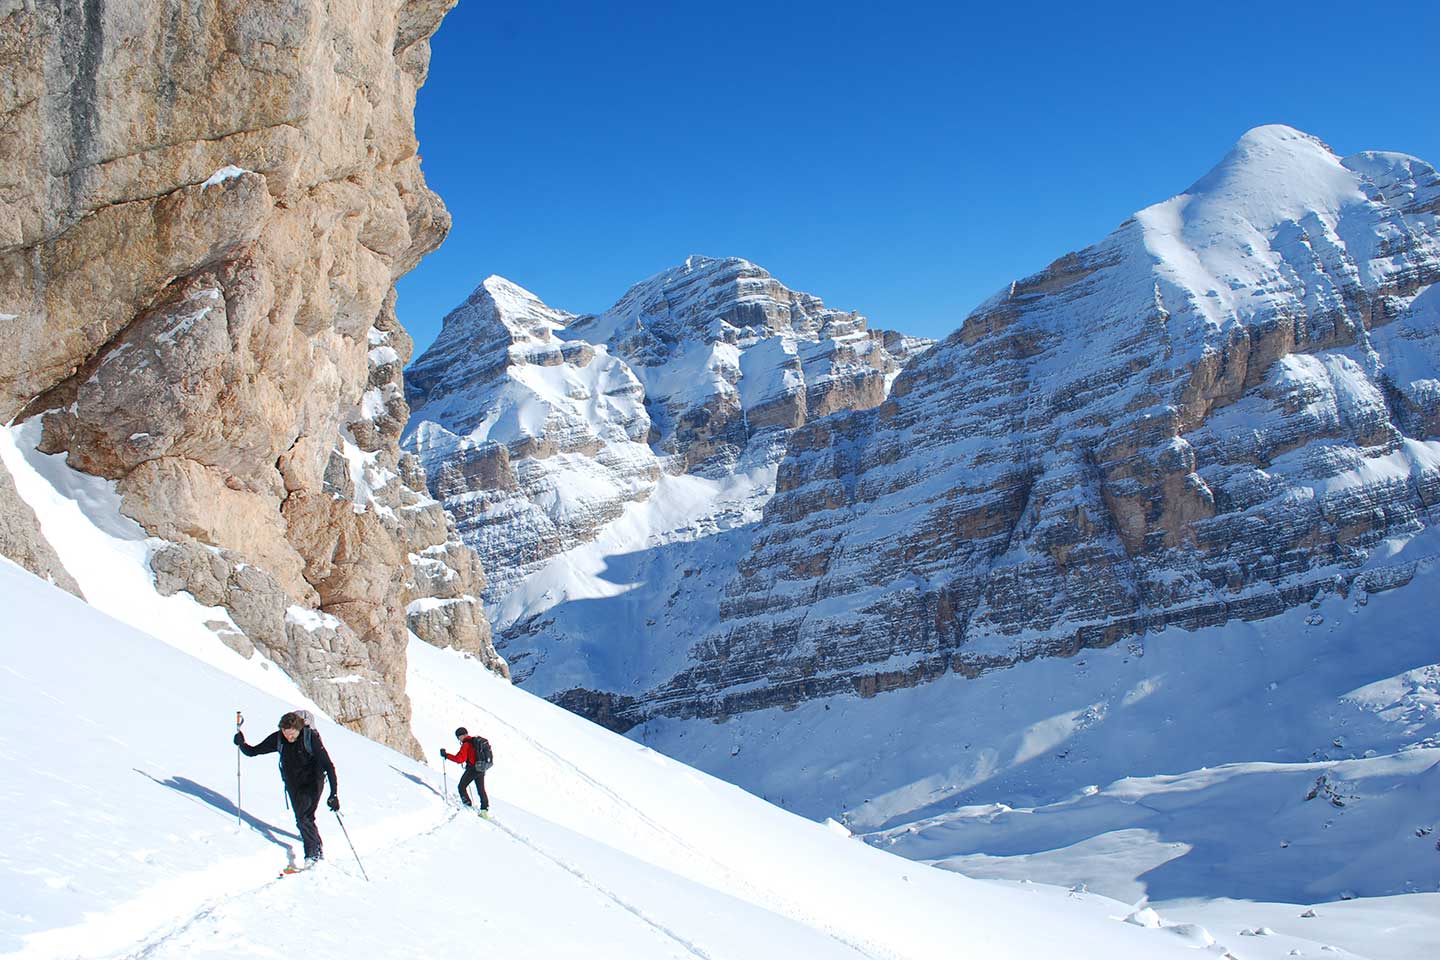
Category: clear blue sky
[903,160]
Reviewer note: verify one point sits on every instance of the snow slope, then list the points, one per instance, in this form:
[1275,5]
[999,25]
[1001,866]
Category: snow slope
[121,833]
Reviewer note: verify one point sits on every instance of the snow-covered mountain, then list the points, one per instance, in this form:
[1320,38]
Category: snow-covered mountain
[1131,580]
[557,440]
[1224,410]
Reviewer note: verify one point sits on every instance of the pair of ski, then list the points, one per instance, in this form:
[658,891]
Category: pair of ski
[291,870]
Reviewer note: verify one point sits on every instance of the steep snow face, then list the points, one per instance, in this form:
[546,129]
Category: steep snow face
[562,443]
[1219,411]
[595,839]
[1282,218]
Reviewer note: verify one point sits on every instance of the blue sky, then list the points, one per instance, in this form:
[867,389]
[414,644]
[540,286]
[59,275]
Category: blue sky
[903,160]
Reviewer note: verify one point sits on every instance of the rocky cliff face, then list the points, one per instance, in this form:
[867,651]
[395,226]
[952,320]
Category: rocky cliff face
[1221,411]
[539,428]
[202,216]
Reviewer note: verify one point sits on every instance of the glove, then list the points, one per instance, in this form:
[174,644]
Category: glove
[239,738]
[333,803]
[443,754]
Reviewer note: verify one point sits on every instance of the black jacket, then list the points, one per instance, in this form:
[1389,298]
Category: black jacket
[304,764]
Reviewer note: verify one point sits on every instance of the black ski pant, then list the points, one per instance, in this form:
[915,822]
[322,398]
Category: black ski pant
[305,801]
[477,777]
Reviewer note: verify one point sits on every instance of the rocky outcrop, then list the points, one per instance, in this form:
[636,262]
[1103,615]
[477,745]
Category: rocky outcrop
[22,541]
[1222,411]
[539,428]
[202,216]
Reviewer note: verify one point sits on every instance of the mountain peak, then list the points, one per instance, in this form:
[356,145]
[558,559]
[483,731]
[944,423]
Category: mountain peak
[699,262]
[503,306]
[504,294]
[1272,174]
[1278,136]
[1267,152]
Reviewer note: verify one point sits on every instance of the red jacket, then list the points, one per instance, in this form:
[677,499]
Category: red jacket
[466,754]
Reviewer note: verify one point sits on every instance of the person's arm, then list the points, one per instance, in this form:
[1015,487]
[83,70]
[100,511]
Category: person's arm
[269,745]
[460,757]
[322,756]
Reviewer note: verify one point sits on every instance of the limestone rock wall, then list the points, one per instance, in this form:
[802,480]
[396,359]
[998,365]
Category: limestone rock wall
[203,210]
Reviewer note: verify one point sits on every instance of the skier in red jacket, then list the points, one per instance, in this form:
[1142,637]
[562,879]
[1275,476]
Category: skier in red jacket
[475,756]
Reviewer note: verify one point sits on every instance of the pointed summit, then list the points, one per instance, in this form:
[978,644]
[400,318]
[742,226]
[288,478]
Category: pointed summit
[479,333]
[1273,173]
[502,303]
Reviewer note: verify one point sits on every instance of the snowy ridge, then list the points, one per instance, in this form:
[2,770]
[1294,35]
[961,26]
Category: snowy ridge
[1225,243]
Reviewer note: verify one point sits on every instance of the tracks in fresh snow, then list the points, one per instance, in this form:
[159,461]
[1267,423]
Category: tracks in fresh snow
[758,896]
[655,925]
[233,912]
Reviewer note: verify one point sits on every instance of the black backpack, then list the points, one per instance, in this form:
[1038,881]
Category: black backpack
[483,758]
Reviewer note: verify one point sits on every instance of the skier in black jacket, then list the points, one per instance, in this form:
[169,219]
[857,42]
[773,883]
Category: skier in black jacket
[304,766]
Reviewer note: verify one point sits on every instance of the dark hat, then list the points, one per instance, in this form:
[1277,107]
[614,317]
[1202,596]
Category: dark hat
[461,731]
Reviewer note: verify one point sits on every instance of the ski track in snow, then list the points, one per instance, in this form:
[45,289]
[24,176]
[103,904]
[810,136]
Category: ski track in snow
[171,936]
[175,939]
[621,902]
[166,937]
[733,881]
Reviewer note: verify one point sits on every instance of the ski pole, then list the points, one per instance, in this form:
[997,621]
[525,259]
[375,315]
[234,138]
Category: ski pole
[352,845]
[444,784]
[239,811]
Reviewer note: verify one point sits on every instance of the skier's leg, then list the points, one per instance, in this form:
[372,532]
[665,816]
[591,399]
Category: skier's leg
[465,783]
[305,802]
[480,784]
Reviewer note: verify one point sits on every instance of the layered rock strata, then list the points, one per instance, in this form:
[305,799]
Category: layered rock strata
[1222,410]
[538,428]
[202,216]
